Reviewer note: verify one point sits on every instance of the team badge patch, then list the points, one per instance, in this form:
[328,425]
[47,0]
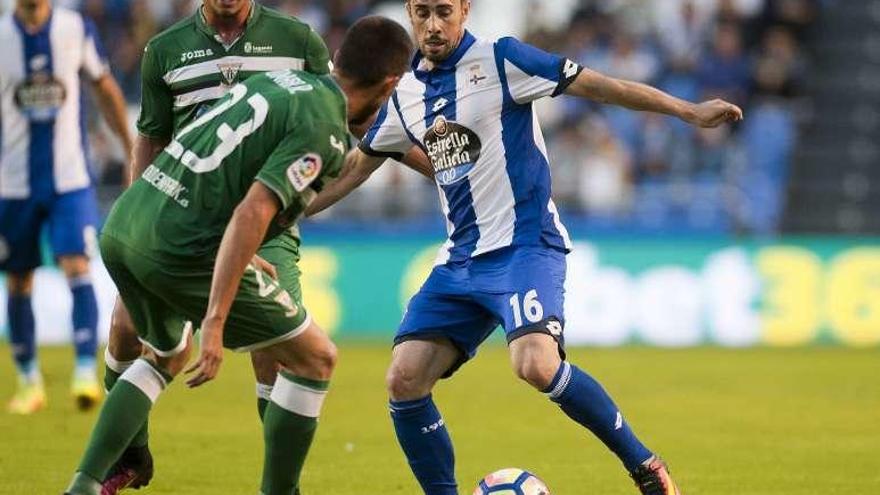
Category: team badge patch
[302,172]
[229,72]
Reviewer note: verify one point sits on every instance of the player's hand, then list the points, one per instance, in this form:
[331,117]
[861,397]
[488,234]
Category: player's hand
[210,354]
[713,113]
[265,267]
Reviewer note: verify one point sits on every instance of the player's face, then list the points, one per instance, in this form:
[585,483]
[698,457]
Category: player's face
[438,25]
[226,8]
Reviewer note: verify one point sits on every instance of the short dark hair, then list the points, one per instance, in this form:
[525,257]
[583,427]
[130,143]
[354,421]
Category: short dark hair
[374,48]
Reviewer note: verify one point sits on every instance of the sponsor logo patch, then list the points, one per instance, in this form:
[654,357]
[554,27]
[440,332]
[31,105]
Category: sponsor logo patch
[453,149]
[302,172]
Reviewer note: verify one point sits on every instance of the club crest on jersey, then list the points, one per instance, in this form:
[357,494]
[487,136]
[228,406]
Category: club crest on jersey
[229,72]
[475,75]
[453,149]
[302,172]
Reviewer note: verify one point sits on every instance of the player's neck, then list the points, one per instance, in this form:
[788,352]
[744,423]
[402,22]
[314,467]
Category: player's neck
[34,19]
[229,28]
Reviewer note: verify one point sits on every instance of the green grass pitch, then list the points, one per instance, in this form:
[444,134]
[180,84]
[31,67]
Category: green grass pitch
[757,422]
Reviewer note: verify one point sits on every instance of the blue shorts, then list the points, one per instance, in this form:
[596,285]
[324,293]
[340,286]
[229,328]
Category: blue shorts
[522,289]
[70,220]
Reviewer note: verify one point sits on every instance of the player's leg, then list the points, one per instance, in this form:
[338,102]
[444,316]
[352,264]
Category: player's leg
[134,469]
[84,385]
[437,335]
[416,366]
[265,370]
[72,234]
[291,415]
[130,400]
[123,414]
[533,320]
[281,252]
[30,395]
[20,223]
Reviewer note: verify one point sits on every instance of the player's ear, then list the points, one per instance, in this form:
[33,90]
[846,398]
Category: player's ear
[465,10]
[388,86]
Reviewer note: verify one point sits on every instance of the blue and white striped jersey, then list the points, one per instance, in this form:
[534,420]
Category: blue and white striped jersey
[43,149]
[473,116]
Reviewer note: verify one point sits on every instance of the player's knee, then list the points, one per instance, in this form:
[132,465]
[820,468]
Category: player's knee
[123,344]
[404,384]
[20,284]
[323,360]
[74,266]
[536,370]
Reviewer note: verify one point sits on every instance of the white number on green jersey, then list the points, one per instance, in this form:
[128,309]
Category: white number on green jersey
[229,138]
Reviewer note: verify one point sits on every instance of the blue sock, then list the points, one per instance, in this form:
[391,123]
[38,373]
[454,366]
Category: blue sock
[21,334]
[585,401]
[425,441]
[85,321]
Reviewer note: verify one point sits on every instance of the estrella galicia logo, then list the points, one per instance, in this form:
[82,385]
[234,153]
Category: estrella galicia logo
[41,95]
[453,149]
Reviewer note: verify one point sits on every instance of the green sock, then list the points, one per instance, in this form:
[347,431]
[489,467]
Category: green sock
[123,414]
[264,392]
[110,376]
[289,426]
[84,484]
[262,404]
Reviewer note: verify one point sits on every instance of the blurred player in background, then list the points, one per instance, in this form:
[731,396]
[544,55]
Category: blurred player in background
[185,69]
[242,172]
[468,104]
[45,181]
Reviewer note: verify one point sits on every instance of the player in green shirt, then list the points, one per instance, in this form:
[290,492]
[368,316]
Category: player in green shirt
[180,245]
[185,69]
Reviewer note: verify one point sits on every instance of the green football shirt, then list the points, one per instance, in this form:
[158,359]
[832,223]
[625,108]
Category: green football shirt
[285,129]
[187,67]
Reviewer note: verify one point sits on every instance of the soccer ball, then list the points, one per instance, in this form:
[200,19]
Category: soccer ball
[511,481]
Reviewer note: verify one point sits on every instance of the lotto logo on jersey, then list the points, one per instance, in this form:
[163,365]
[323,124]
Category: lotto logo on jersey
[302,172]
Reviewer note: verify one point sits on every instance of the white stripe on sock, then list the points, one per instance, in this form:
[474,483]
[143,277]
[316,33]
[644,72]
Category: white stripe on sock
[143,376]
[563,381]
[264,391]
[114,364]
[297,398]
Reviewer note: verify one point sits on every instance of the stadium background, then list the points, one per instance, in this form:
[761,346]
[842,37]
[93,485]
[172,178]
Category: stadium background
[758,233]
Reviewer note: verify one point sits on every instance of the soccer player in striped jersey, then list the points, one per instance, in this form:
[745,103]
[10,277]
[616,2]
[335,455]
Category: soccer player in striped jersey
[239,174]
[49,54]
[185,69]
[468,104]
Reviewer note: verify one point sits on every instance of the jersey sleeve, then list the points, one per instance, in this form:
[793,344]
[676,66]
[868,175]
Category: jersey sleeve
[317,54]
[94,60]
[532,73]
[388,137]
[156,119]
[300,166]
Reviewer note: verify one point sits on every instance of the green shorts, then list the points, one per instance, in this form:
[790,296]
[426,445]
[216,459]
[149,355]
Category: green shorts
[166,298]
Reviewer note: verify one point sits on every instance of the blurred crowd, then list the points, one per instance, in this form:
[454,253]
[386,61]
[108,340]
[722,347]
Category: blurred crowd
[612,168]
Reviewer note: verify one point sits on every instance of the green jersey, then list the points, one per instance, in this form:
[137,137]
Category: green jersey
[187,67]
[285,129]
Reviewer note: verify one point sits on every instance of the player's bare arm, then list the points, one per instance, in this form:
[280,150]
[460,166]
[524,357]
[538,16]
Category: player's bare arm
[112,106]
[145,150]
[357,169]
[243,236]
[637,96]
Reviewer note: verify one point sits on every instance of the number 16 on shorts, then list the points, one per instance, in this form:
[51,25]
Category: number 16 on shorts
[529,309]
